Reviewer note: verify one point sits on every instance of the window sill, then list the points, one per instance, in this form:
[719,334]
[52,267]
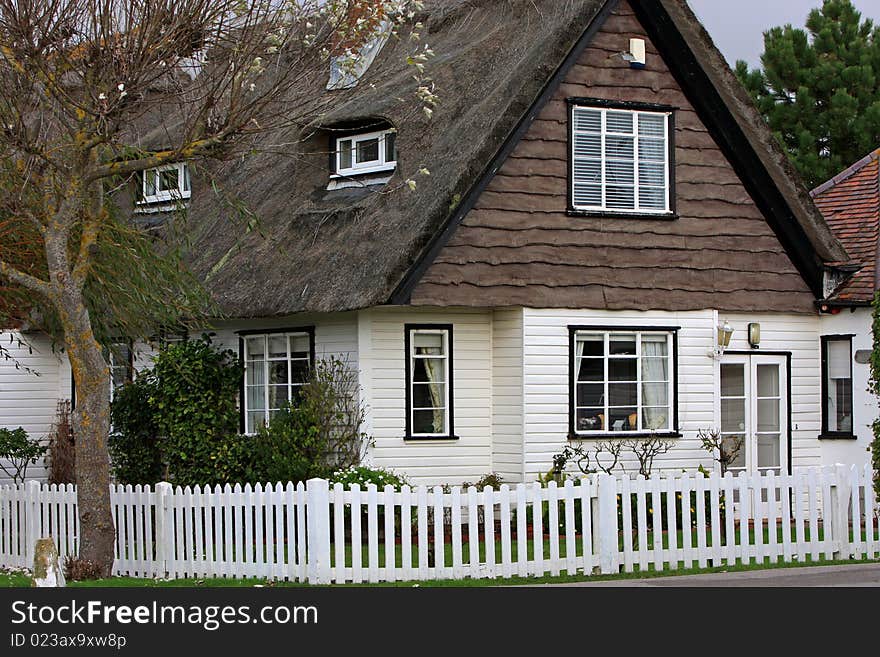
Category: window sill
[358,173]
[430,439]
[624,435]
[838,436]
[611,214]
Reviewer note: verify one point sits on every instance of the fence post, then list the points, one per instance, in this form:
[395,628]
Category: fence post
[607,521]
[164,530]
[32,521]
[840,495]
[318,531]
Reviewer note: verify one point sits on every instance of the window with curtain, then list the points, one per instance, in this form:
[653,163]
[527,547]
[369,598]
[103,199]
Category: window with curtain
[620,160]
[623,382]
[170,182]
[837,404]
[429,382]
[277,365]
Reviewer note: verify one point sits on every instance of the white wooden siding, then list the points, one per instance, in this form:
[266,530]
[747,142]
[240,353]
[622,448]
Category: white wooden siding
[507,392]
[28,400]
[865,407]
[546,386]
[382,362]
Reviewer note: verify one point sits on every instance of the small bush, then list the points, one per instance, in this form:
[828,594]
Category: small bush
[290,448]
[78,570]
[134,445]
[492,479]
[363,475]
[19,451]
[62,447]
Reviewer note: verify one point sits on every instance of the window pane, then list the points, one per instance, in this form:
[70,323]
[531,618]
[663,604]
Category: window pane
[768,415]
[429,422]
[652,124]
[620,173]
[590,419]
[368,150]
[591,394]
[186,181]
[391,147]
[838,359]
[588,146]
[150,182]
[623,345]
[622,369]
[345,154]
[655,419]
[299,346]
[278,371]
[733,382]
[730,442]
[590,369]
[588,171]
[655,394]
[622,394]
[587,195]
[168,180]
[256,348]
[255,420]
[621,198]
[652,149]
[299,371]
[256,397]
[591,345]
[619,122]
[768,451]
[652,199]
[255,374]
[619,148]
[733,415]
[652,173]
[587,119]
[429,370]
[838,386]
[278,396]
[277,346]
[429,395]
[427,344]
[768,380]
[623,419]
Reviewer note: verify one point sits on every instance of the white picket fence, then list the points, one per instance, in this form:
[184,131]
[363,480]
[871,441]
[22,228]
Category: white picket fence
[321,534]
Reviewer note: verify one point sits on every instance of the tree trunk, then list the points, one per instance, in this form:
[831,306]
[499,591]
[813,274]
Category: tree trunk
[91,426]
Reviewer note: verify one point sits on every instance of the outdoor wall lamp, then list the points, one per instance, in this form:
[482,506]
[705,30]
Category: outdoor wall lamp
[754,335]
[725,332]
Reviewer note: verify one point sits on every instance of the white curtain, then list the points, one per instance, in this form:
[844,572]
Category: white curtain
[655,368]
[434,368]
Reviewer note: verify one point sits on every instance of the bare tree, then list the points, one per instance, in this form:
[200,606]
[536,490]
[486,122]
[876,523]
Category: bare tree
[646,450]
[75,77]
[724,449]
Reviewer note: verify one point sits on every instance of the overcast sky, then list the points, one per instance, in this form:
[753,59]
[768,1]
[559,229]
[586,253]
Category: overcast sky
[738,26]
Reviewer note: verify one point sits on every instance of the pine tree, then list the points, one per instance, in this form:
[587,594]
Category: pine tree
[819,89]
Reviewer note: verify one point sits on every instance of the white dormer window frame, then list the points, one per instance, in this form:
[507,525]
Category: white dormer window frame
[354,153]
[158,185]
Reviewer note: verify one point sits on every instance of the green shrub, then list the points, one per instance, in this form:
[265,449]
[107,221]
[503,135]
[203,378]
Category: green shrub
[194,400]
[20,451]
[290,448]
[134,445]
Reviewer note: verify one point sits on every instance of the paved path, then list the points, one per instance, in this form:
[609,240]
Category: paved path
[857,575]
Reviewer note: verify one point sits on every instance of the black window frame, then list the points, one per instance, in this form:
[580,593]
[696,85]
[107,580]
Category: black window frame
[249,333]
[599,103]
[836,435]
[450,358]
[675,428]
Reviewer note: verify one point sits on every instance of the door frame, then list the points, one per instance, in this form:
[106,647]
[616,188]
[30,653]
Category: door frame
[758,352]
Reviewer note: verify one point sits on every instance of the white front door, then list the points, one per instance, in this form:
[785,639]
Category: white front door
[754,410]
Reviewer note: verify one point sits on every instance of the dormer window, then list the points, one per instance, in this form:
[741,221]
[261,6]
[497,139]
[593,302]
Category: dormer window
[165,184]
[369,152]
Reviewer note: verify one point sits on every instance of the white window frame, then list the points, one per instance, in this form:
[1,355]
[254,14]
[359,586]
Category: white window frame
[604,133]
[183,190]
[447,383]
[248,429]
[639,406]
[374,166]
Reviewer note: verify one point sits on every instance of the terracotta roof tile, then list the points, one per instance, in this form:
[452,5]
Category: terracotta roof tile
[851,204]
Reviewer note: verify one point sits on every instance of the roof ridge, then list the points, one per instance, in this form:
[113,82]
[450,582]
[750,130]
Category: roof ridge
[846,173]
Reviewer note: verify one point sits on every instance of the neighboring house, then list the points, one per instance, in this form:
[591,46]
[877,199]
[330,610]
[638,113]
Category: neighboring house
[604,201]
[851,204]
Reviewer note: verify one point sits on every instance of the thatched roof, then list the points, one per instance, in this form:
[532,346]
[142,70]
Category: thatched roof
[316,251]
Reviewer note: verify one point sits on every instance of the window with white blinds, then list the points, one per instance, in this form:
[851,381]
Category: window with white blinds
[620,160]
